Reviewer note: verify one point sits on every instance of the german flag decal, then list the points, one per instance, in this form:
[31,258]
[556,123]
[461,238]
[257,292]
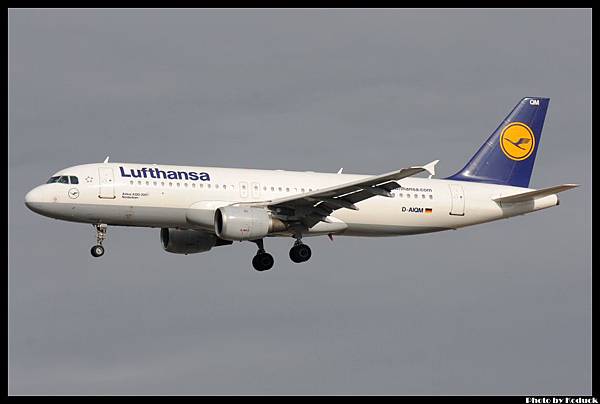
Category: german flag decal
[428,210]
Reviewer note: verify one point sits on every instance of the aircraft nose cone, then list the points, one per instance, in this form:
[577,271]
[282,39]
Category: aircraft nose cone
[30,197]
[33,199]
[43,201]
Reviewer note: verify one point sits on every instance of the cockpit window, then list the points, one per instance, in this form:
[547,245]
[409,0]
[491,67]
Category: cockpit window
[63,179]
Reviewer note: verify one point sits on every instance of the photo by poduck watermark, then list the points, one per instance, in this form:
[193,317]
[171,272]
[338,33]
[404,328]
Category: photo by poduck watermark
[560,400]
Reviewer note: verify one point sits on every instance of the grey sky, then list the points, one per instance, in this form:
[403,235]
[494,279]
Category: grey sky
[501,308]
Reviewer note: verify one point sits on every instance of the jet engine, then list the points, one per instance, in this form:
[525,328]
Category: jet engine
[245,223]
[189,241]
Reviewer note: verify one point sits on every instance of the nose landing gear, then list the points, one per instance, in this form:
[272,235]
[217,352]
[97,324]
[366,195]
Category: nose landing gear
[101,230]
[97,251]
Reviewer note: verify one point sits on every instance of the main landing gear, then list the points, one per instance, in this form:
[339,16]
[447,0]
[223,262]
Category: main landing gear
[98,250]
[262,261]
[300,252]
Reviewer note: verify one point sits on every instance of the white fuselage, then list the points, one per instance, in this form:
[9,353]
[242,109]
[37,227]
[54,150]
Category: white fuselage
[139,195]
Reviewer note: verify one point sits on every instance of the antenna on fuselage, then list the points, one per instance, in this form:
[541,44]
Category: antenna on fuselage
[106,159]
[340,170]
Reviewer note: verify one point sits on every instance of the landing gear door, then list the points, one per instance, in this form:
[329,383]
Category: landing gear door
[107,183]
[457,207]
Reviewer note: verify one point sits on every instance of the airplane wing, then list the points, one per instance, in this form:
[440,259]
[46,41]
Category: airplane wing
[313,207]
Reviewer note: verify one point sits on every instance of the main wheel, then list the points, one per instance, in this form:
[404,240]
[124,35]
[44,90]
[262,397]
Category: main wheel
[97,251]
[300,253]
[262,261]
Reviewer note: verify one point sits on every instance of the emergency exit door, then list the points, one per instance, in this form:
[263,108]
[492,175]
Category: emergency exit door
[244,189]
[255,190]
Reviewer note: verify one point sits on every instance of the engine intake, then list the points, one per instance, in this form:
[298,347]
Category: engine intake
[189,241]
[245,223]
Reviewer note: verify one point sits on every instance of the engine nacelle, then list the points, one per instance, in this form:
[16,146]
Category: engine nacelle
[245,223]
[189,241]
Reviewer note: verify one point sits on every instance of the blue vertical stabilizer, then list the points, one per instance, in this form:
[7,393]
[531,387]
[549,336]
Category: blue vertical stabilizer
[508,155]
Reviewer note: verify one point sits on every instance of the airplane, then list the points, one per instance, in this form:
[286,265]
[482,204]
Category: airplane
[199,208]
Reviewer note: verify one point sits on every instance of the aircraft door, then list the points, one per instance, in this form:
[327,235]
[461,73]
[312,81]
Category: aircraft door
[107,183]
[457,207]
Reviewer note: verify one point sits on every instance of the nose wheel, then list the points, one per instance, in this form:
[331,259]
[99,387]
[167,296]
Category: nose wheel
[101,230]
[300,252]
[97,251]
[262,261]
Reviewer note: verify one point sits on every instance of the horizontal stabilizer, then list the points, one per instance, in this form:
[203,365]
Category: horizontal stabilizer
[531,195]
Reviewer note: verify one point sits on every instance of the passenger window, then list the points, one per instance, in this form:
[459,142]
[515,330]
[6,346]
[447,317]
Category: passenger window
[400,195]
[423,196]
[416,196]
[154,183]
[178,184]
[216,185]
[147,183]
[131,182]
[193,185]
[430,196]
[185,184]
[302,190]
[63,180]
[272,188]
[287,190]
[74,180]
[408,196]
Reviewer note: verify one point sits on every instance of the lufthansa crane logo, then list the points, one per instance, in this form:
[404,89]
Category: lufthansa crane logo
[517,141]
[73,193]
